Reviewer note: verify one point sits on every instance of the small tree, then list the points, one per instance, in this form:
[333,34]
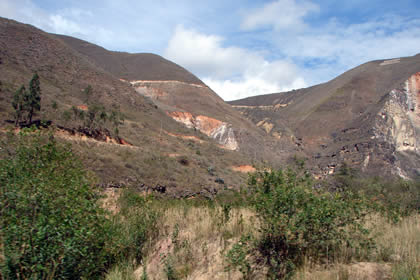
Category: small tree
[18,104]
[117,119]
[77,113]
[51,222]
[88,93]
[33,97]
[95,117]
[66,116]
[298,222]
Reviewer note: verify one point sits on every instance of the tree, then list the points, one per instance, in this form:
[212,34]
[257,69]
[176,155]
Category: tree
[18,104]
[33,97]
[95,117]
[77,113]
[66,116]
[51,222]
[117,119]
[88,93]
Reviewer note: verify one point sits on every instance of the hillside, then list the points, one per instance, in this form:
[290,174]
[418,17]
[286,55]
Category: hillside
[187,100]
[367,117]
[155,152]
[128,66]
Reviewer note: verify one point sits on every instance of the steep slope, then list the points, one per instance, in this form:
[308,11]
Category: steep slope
[153,151]
[366,117]
[186,99]
[130,66]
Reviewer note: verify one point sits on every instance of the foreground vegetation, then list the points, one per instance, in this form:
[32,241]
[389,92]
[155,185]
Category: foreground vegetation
[53,225]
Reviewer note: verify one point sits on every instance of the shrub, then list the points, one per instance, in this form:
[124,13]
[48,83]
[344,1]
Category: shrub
[297,222]
[238,257]
[394,197]
[133,226]
[51,226]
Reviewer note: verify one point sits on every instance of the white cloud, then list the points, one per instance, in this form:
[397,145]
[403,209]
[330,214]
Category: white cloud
[248,86]
[62,25]
[341,47]
[204,54]
[281,14]
[231,71]
[70,21]
[332,47]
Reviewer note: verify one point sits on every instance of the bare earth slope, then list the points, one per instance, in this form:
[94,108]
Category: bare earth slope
[367,117]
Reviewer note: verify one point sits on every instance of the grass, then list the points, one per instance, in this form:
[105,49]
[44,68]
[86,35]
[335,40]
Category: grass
[195,239]
[123,271]
[400,245]
[397,255]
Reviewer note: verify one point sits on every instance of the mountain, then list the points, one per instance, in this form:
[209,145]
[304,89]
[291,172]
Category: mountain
[368,117]
[130,66]
[151,150]
[186,99]
[181,138]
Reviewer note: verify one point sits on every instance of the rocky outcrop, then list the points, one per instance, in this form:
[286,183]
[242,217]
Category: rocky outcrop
[399,121]
[83,133]
[153,89]
[185,118]
[266,125]
[244,168]
[262,107]
[412,87]
[222,132]
[387,143]
[83,107]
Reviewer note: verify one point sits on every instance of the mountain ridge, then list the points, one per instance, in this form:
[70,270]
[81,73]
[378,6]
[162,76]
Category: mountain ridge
[131,66]
[361,118]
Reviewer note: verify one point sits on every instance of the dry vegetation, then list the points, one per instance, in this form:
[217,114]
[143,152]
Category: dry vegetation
[194,238]
[397,255]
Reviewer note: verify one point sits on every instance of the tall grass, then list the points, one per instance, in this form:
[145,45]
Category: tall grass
[397,254]
[194,240]
[400,244]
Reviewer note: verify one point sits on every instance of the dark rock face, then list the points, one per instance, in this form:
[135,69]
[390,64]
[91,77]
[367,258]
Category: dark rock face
[163,190]
[219,181]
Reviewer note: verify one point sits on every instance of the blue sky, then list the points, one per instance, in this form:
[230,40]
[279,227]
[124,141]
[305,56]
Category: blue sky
[239,48]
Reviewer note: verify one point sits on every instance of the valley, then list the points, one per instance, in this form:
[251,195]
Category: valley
[117,165]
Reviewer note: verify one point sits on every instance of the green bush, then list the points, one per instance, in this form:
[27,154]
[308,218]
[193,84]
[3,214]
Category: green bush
[238,257]
[133,226]
[51,226]
[298,222]
[394,197]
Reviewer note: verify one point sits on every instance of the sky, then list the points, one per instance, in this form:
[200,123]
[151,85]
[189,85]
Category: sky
[239,48]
